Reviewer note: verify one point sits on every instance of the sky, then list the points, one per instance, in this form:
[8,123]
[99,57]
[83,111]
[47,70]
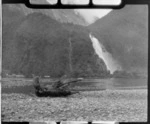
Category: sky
[90,15]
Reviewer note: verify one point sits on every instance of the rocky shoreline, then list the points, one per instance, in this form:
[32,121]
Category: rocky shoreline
[118,105]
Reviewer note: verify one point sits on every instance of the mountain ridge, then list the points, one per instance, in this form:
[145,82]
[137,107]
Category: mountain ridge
[41,46]
[120,32]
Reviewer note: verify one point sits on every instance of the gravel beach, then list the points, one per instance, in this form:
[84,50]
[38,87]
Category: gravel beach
[106,105]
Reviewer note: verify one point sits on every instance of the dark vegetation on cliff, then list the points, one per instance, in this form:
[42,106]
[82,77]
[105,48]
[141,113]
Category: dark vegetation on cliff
[37,44]
[124,33]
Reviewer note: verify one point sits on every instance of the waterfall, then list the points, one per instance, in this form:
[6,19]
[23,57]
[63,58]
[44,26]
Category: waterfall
[70,55]
[100,50]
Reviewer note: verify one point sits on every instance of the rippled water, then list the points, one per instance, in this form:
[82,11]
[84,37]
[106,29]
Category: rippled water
[90,84]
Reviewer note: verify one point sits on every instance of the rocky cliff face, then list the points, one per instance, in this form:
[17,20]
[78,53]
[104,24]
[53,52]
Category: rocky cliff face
[38,41]
[124,33]
[38,44]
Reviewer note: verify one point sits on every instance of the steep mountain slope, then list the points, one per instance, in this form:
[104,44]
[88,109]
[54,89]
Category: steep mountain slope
[124,33]
[42,46]
[11,19]
[34,42]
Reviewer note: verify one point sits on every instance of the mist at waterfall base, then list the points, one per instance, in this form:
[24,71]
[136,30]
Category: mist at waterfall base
[111,64]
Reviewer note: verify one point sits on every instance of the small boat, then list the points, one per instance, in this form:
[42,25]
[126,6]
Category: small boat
[57,89]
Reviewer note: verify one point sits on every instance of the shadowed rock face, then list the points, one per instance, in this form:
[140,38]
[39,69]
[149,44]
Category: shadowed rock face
[40,45]
[30,43]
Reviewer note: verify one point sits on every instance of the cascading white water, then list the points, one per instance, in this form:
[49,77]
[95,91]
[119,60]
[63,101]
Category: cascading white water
[100,50]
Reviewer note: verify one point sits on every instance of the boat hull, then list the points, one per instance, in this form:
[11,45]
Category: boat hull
[55,93]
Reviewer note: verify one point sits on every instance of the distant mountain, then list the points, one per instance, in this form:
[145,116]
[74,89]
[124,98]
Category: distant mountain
[62,15]
[124,33]
[38,44]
